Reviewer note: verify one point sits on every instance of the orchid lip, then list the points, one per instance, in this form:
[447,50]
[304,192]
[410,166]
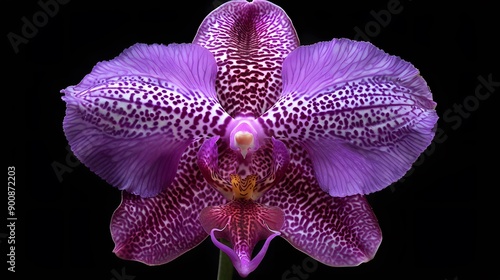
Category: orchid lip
[243,188]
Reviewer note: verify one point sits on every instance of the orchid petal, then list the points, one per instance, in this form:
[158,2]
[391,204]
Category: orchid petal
[158,229]
[363,116]
[249,41]
[337,231]
[277,169]
[229,161]
[243,223]
[208,162]
[132,117]
[244,267]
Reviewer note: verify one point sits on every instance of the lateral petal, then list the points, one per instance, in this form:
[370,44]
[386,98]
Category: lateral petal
[275,170]
[208,162]
[364,116]
[132,117]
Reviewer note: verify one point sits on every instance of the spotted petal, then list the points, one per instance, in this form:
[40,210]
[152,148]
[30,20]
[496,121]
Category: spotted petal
[208,162]
[249,41]
[364,116]
[158,229]
[276,170]
[132,117]
[337,231]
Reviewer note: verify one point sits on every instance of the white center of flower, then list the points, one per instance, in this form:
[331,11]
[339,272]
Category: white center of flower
[244,137]
[244,140]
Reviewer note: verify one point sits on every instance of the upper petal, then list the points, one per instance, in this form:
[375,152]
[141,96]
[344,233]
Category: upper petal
[249,41]
[364,116]
[337,231]
[132,117]
[158,229]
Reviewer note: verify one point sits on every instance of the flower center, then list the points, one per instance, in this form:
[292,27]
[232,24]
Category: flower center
[244,136]
[244,140]
[243,188]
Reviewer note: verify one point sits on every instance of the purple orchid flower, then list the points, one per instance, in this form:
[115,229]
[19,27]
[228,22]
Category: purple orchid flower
[244,135]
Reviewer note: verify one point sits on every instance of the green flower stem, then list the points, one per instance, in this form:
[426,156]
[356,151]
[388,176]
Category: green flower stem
[225,270]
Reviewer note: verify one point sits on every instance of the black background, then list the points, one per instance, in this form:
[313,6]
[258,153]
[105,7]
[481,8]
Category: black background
[437,223]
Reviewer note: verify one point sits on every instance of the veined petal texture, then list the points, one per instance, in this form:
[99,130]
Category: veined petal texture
[363,116]
[156,230]
[132,117]
[337,231]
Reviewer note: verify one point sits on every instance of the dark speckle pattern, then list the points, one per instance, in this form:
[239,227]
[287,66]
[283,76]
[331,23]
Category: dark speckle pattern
[363,116]
[249,41]
[132,117]
[219,165]
[243,223]
[337,231]
[361,135]
[352,120]
[156,230]
[369,113]
[139,106]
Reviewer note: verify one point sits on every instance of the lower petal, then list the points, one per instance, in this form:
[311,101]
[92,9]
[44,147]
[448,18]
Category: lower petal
[158,229]
[337,231]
